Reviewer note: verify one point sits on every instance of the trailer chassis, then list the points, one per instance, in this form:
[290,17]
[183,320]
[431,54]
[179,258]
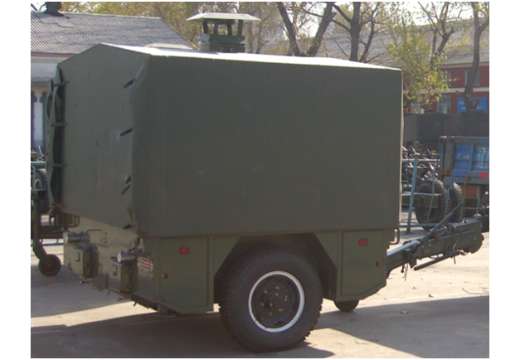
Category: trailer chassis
[444,241]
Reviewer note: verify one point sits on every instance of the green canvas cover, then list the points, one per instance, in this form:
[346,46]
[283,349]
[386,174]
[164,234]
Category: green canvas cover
[172,143]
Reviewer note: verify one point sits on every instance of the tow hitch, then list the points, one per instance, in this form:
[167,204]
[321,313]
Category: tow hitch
[444,241]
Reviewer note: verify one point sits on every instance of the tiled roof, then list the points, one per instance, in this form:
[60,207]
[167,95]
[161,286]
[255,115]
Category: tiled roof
[76,32]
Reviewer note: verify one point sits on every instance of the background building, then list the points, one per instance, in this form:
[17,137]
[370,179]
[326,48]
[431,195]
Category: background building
[56,36]
[457,68]
[458,60]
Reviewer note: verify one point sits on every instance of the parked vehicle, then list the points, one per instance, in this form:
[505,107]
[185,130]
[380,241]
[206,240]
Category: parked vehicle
[465,161]
[235,179]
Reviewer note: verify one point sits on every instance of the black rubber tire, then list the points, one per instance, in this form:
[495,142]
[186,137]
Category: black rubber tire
[456,197]
[239,281]
[485,223]
[346,306]
[49,265]
[423,214]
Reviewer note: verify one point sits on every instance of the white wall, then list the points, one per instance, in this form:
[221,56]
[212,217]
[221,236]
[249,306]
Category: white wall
[42,70]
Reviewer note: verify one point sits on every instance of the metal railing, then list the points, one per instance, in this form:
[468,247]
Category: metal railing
[409,187]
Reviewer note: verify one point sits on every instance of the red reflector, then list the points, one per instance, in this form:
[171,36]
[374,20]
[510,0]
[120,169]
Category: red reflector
[484,175]
[183,250]
[362,242]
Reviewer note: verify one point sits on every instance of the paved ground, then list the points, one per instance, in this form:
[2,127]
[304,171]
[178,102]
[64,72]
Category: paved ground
[441,311]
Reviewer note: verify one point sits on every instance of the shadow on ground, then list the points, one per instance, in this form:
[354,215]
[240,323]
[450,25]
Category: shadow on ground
[148,335]
[64,293]
[421,328]
[415,328]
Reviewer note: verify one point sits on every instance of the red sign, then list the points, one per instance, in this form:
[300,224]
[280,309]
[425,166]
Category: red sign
[362,242]
[184,250]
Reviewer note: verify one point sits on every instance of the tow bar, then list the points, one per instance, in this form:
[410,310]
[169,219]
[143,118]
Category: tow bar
[444,241]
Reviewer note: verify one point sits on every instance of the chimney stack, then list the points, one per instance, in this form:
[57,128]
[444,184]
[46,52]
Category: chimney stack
[219,33]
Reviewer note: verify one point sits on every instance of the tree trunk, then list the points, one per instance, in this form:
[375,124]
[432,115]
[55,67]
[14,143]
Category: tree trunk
[355,32]
[470,102]
[291,34]
[294,49]
[364,56]
[328,15]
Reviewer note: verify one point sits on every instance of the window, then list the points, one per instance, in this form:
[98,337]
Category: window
[477,77]
[453,79]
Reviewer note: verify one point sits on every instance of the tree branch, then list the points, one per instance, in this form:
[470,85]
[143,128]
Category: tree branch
[340,48]
[373,58]
[366,47]
[328,15]
[469,100]
[342,13]
[289,27]
[321,16]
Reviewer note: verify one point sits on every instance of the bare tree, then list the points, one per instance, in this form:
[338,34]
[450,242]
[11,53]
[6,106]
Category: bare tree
[480,23]
[291,29]
[440,21]
[358,19]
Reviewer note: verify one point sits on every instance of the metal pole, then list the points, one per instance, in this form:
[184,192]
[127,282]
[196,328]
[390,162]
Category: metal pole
[411,201]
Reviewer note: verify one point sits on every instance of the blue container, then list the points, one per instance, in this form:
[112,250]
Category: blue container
[465,159]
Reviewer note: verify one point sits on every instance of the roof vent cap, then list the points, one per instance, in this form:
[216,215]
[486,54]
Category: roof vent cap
[218,34]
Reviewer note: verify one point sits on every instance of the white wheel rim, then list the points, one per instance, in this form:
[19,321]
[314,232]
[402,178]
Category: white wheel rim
[301,304]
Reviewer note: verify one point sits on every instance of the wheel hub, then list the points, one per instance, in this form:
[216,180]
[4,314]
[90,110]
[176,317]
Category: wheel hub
[276,301]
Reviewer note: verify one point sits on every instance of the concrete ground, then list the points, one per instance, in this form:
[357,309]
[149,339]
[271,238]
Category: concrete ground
[441,311]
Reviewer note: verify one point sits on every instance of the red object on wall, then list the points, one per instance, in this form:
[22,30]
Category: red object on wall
[183,250]
[362,242]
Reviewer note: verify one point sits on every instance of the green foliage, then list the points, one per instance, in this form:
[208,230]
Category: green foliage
[423,78]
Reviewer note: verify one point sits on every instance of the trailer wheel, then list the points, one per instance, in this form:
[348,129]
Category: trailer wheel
[346,306]
[271,300]
[456,197]
[49,265]
[425,214]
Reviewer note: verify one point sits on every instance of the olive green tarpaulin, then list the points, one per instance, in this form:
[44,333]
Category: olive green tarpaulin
[175,143]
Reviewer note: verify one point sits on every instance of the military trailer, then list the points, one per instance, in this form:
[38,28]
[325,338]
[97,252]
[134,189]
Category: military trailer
[187,179]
